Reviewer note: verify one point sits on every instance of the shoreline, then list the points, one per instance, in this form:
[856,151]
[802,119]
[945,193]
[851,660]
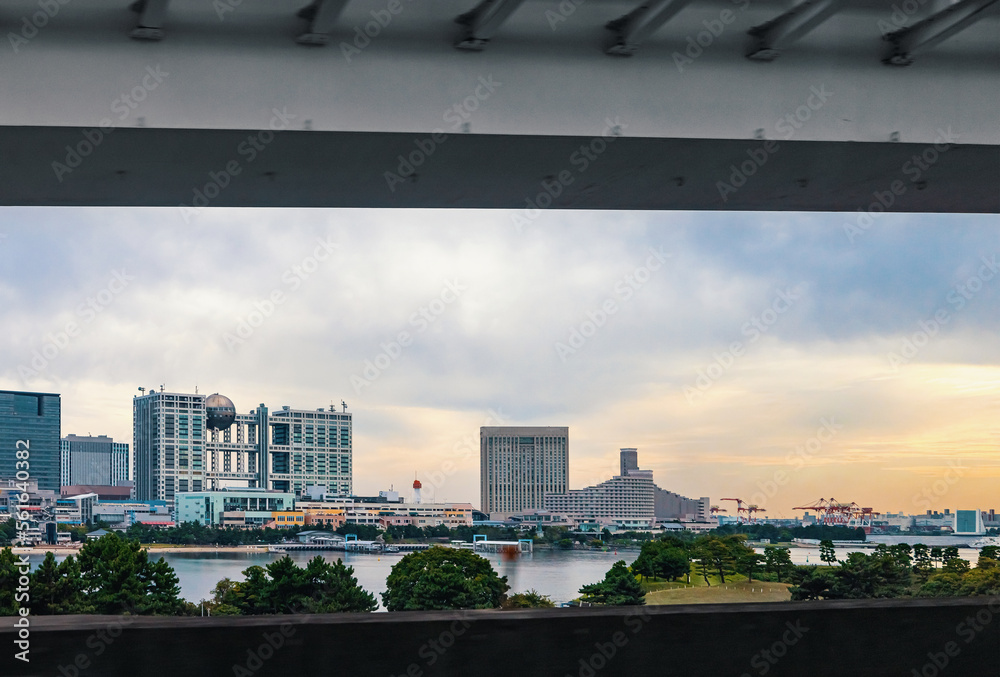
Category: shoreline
[148,547]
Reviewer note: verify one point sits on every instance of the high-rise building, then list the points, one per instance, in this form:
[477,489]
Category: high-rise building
[34,420]
[519,465]
[189,442]
[629,460]
[97,461]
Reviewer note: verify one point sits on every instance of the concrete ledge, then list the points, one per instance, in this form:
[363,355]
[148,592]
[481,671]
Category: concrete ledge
[857,638]
[170,167]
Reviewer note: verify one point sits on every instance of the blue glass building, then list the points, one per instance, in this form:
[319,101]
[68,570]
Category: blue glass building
[36,419]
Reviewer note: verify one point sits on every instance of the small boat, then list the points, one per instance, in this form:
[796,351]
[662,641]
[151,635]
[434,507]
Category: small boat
[985,541]
[392,548]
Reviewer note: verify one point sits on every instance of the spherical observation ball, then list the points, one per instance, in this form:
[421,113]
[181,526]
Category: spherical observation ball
[220,410]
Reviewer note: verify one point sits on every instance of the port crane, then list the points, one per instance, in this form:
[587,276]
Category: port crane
[741,510]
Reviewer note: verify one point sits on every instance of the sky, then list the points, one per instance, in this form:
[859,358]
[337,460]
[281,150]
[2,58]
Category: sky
[775,357]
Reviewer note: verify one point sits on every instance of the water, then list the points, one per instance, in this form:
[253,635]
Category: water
[556,573]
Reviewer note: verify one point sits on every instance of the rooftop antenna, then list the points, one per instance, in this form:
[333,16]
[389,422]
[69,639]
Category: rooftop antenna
[196,389]
[332,408]
[142,390]
[344,405]
[161,387]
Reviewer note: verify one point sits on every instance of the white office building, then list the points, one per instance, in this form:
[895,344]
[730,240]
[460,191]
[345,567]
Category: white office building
[185,442]
[92,460]
[519,465]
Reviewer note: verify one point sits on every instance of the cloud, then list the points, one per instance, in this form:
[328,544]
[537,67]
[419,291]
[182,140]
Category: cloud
[492,341]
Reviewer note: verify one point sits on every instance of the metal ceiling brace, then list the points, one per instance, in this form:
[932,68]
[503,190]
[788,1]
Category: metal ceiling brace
[923,35]
[633,28]
[770,38]
[483,22]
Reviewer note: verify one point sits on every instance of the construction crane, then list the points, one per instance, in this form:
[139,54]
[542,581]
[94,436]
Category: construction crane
[834,513]
[752,511]
[740,509]
[716,509]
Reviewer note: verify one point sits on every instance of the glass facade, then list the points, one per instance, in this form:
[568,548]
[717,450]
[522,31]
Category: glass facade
[92,461]
[36,419]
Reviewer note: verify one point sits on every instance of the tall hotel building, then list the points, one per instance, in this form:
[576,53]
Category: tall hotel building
[34,419]
[188,442]
[518,466]
[96,461]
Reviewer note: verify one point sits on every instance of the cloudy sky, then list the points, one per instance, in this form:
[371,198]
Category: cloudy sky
[778,358]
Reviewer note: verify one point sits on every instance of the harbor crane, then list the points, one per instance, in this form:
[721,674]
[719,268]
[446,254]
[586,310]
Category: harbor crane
[741,510]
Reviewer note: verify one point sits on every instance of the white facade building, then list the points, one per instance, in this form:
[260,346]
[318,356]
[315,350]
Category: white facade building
[181,444]
[519,465]
[624,500]
[92,460]
[629,500]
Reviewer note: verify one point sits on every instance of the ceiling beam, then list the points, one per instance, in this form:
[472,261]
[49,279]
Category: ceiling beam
[631,30]
[482,23]
[322,16]
[769,39]
[938,27]
[149,25]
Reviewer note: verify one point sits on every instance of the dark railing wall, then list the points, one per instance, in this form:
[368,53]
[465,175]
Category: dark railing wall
[959,637]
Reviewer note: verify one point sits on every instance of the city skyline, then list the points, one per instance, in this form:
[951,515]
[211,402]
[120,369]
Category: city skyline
[727,348]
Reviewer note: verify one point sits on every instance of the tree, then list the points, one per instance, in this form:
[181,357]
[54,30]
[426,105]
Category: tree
[901,552]
[58,588]
[989,552]
[861,576]
[955,565]
[720,556]
[660,559]
[443,578]
[777,560]
[337,588]
[117,577]
[9,576]
[826,552]
[672,563]
[619,588]
[703,559]
[812,584]
[922,564]
[528,600]
[748,563]
[364,532]
[284,587]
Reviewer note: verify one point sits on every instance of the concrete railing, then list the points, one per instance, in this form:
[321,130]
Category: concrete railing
[958,637]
